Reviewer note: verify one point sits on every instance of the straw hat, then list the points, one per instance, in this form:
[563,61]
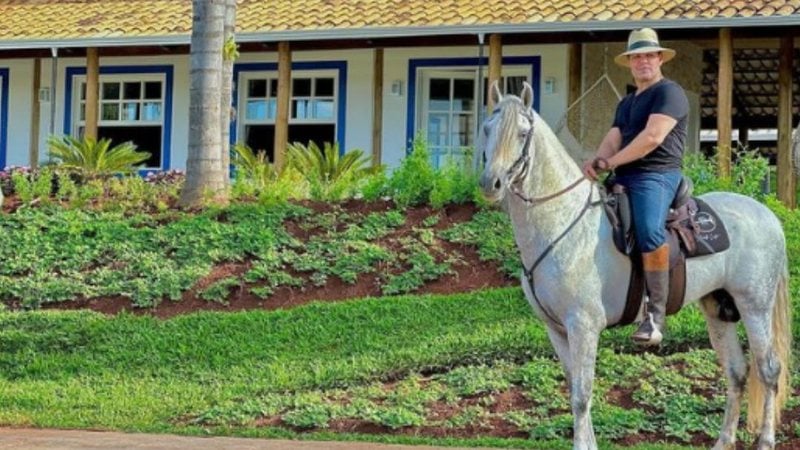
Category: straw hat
[643,41]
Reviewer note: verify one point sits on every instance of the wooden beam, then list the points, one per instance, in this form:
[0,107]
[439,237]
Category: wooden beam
[787,191]
[33,152]
[724,102]
[92,92]
[744,43]
[575,69]
[377,107]
[495,67]
[284,89]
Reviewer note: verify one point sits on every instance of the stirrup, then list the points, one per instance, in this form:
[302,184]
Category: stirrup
[641,335]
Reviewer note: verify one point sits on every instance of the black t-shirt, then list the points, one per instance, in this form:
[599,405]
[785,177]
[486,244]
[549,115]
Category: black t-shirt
[665,97]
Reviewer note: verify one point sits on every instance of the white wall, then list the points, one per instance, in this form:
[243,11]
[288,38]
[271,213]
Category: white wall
[20,94]
[180,98]
[358,132]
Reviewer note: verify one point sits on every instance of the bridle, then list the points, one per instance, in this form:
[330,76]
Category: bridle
[515,175]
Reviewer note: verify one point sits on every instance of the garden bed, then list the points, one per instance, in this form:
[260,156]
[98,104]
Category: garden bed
[467,271]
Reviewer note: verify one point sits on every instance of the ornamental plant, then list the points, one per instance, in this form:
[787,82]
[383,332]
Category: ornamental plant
[95,158]
[330,176]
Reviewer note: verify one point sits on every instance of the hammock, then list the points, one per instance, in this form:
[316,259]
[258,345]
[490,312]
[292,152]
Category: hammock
[596,104]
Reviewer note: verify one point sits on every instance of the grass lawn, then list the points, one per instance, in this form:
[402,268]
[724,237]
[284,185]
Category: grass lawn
[384,361]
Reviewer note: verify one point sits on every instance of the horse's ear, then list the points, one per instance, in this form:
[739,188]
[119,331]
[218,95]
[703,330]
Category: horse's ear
[497,96]
[527,95]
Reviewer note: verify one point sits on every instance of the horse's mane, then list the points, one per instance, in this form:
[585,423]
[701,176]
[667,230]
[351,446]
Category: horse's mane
[509,108]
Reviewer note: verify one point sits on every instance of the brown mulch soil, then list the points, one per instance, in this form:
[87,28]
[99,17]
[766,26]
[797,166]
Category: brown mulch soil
[470,273]
[514,399]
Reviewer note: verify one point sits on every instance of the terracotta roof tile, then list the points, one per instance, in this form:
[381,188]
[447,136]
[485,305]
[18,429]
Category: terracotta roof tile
[46,19]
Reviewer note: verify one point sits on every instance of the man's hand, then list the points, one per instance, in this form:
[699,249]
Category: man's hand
[592,168]
[588,170]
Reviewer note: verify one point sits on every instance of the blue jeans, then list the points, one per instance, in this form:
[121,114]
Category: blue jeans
[650,194]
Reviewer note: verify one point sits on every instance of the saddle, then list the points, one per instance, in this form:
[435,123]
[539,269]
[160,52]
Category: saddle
[693,229]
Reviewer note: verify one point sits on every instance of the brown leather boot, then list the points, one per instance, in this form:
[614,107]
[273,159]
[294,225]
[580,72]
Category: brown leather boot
[656,277]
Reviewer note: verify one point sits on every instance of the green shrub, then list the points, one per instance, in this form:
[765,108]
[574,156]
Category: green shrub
[220,290]
[93,157]
[257,177]
[412,182]
[456,182]
[254,166]
[376,185]
[23,186]
[748,170]
[330,176]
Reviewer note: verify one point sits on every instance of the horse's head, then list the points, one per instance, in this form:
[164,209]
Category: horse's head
[506,135]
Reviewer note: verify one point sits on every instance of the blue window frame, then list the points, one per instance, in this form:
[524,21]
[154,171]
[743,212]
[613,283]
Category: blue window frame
[414,76]
[3,116]
[339,97]
[166,114]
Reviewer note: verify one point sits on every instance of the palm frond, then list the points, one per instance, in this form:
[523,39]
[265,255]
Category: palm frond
[95,157]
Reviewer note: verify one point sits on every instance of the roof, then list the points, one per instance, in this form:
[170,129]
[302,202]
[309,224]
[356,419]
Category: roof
[62,23]
[755,88]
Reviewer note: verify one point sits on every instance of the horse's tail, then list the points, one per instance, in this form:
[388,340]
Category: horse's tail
[782,344]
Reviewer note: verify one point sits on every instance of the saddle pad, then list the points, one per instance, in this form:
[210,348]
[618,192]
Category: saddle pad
[711,237]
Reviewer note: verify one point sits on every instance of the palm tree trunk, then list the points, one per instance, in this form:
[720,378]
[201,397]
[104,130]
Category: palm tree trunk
[226,110]
[205,177]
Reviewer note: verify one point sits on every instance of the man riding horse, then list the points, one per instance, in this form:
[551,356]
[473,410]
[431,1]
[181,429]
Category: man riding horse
[645,149]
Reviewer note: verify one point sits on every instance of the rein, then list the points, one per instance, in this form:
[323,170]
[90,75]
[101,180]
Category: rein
[529,272]
[514,177]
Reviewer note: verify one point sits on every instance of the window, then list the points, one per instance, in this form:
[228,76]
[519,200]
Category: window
[443,101]
[449,115]
[312,108]
[449,110]
[134,104]
[130,110]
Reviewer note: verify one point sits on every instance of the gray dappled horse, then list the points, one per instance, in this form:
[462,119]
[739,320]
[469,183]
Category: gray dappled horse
[576,280]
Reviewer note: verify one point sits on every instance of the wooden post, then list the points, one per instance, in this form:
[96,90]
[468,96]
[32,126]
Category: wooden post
[575,87]
[787,191]
[724,102]
[92,92]
[495,67]
[377,107]
[284,89]
[33,153]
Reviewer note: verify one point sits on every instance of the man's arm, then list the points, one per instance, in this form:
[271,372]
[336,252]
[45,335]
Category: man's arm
[657,128]
[608,148]
[610,144]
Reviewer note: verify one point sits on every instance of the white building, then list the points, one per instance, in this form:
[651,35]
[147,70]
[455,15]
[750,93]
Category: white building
[433,57]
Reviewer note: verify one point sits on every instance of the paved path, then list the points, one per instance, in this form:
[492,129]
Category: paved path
[36,439]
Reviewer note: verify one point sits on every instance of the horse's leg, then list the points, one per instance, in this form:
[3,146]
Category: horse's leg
[758,323]
[731,357]
[583,338]
[561,346]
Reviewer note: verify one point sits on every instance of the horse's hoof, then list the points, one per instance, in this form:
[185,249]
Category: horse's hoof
[765,445]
